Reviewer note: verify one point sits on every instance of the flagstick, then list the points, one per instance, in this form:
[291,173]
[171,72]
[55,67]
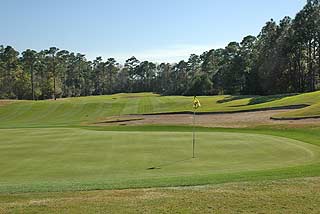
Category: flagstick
[193,135]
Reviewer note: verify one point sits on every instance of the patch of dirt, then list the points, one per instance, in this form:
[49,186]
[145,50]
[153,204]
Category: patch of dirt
[5,102]
[231,120]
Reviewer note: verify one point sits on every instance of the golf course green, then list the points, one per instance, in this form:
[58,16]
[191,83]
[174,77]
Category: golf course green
[53,152]
[41,159]
[56,146]
[160,107]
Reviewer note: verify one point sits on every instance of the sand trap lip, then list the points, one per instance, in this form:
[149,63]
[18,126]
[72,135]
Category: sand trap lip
[295,118]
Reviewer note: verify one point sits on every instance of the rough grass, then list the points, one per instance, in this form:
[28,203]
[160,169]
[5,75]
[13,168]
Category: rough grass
[271,197]
[76,111]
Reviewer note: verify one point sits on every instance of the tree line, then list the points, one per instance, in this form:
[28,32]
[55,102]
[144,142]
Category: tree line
[283,58]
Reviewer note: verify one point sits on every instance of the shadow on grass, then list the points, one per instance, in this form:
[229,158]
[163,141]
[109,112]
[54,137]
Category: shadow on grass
[119,120]
[232,98]
[169,164]
[265,99]
[262,99]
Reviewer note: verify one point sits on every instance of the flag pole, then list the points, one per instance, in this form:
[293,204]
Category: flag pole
[193,135]
[196,104]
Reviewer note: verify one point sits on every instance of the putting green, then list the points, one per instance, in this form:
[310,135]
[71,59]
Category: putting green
[63,158]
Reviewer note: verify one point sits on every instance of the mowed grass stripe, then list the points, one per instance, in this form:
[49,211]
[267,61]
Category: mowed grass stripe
[96,111]
[46,112]
[174,104]
[11,111]
[156,103]
[145,105]
[131,105]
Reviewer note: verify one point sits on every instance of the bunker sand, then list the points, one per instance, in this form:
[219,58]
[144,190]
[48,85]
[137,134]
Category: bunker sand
[223,120]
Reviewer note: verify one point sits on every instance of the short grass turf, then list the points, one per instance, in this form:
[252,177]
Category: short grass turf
[84,110]
[298,196]
[60,159]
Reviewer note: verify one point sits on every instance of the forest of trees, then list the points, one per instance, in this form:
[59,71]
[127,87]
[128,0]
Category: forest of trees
[283,58]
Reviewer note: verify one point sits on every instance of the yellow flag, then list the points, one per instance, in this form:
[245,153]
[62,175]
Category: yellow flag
[196,103]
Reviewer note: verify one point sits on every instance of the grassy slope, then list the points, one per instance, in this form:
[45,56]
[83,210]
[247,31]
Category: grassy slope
[75,111]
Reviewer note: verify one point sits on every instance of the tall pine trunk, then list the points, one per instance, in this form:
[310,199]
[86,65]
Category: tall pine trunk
[54,87]
[32,82]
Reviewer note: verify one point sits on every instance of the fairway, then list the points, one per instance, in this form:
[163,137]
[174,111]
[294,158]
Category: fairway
[54,159]
[89,110]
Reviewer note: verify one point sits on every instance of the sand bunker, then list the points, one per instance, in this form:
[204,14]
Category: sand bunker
[230,120]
